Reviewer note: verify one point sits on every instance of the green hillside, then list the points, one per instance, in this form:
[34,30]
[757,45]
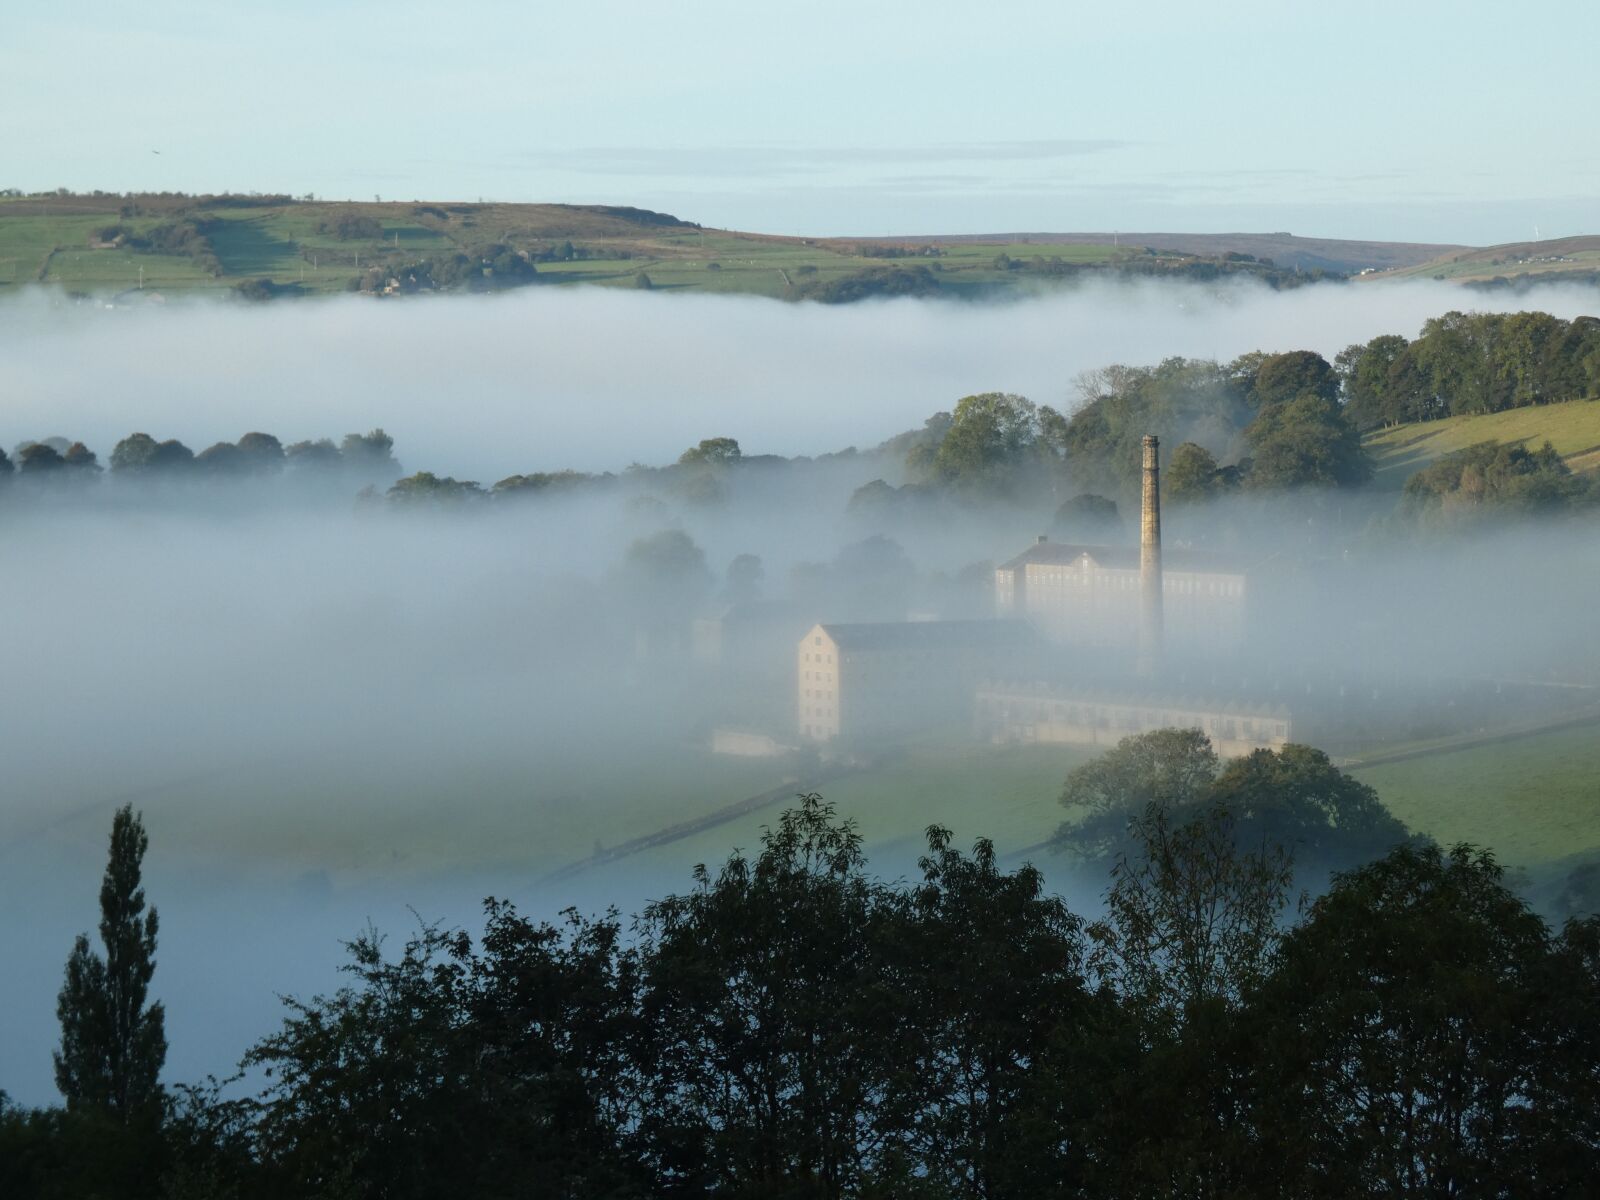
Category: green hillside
[279,245]
[102,243]
[1532,800]
[1573,429]
[1509,265]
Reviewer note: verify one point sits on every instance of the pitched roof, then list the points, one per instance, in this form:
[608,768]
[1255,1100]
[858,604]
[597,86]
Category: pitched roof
[931,635]
[1124,558]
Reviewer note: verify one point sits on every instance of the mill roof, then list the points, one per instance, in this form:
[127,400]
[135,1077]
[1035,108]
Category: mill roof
[930,635]
[1124,558]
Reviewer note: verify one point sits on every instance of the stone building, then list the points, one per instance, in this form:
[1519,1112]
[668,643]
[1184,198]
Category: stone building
[1151,603]
[882,679]
[1126,596]
[1141,604]
[1052,713]
[1093,596]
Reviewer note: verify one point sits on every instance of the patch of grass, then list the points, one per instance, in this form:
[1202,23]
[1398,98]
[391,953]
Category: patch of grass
[254,246]
[1572,428]
[78,268]
[1532,801]
[1005,793]
[361,817]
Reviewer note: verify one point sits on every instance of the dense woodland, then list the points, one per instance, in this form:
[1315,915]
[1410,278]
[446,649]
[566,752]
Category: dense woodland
[1466,363]
[793,1026]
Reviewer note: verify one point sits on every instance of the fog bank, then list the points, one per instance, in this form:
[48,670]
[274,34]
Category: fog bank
[327,711]
[482,387]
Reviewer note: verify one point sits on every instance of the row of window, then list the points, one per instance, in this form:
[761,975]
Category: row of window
[1100,718]
[1128,581]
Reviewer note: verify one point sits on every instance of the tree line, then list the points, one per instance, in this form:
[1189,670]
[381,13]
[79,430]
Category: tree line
[1269,424]
[794,1026]
[256,455]
[1465,363]
[1492,479]
[1172,264]
[487,268]
[1279,419]
[1263,423]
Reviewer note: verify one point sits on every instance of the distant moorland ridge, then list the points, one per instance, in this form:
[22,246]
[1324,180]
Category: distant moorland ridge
[1285,249]
[264,246]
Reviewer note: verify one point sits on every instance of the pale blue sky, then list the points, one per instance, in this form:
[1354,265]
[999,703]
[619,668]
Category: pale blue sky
[1424,121]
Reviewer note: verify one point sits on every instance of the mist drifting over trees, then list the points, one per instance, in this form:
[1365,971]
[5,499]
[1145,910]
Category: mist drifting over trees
[482,388]
[375,607]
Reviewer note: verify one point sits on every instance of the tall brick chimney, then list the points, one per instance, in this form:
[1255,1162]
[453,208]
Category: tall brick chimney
[1150,618]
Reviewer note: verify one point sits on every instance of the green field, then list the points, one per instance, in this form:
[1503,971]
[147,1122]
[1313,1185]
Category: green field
[1572,428]
[1533,801]
[713,261]
[366,816]
[1007,794]
[49,240]
[1554,257]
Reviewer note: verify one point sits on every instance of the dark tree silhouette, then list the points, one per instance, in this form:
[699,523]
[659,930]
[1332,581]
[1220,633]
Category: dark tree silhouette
[80,458]
[113,1044]
[38,458]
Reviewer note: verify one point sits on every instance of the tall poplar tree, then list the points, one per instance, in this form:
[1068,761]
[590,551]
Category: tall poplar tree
[112,1043]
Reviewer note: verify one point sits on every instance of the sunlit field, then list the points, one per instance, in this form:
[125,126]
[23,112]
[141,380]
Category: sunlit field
[1533,800]
[1572,428]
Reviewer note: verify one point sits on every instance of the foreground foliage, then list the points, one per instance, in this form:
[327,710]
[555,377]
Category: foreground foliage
[795,1027]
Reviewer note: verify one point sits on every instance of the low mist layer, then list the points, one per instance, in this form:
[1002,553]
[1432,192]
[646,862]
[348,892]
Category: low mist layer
[328,709]
[484,387]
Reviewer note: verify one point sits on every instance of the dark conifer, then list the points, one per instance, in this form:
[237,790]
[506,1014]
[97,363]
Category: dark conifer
[113,1044]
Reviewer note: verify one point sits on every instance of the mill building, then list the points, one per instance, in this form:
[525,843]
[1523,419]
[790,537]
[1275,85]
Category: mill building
[878,679]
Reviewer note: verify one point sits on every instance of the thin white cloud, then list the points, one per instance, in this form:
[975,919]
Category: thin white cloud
[749,161]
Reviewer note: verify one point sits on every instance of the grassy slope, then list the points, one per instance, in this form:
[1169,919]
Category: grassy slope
[1573,428]
[1533,801]
[1285,249]
[360,816]
[1007,794]
[48,241]
[1468,264]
